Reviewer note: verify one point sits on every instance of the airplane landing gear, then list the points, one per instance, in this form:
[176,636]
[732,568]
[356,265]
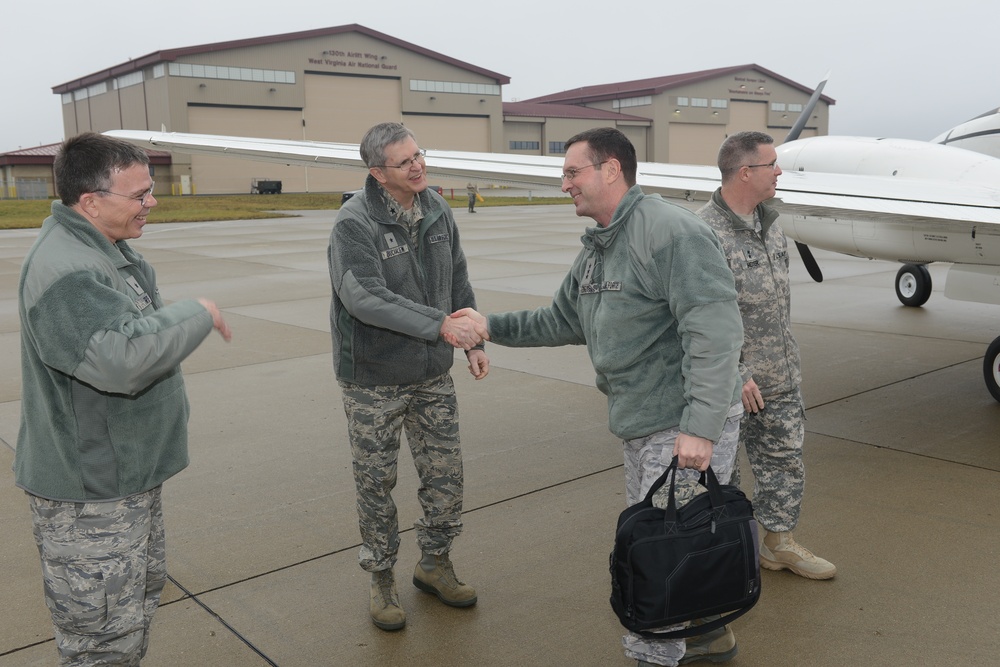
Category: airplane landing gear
[991,368]
[913,285]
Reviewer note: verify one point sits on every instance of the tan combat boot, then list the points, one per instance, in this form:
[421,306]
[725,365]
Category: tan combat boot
[717,646]
[384,608]
[778,551]
[435,574]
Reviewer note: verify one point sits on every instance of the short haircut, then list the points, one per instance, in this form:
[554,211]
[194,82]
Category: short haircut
[739,149]
[606,143]
[85,164]
[374,143]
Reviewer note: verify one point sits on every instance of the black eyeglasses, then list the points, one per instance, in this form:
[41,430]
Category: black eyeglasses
[406,164]
[141,198]
[771,165]
[572,173]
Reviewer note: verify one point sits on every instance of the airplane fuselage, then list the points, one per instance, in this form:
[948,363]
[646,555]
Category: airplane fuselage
[868,235]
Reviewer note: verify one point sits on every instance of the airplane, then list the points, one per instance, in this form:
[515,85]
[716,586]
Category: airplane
[980,134]
[906,201]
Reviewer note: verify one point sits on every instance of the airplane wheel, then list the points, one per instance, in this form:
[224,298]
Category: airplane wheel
[991,368]
[913,285]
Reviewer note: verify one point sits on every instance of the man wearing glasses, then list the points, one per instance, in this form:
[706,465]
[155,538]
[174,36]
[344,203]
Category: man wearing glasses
[397,271]
[773,430]
[652,298]
[103,407]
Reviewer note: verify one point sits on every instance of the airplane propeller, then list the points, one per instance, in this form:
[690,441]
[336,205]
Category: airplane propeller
[812,266]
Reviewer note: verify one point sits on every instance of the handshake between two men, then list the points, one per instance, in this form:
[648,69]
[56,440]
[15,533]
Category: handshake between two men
[466,329]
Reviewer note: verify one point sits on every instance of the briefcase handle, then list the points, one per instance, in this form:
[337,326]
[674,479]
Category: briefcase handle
[707,479]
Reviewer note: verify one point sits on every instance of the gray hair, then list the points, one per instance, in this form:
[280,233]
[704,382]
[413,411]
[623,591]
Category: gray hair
[739,148]
[374,143]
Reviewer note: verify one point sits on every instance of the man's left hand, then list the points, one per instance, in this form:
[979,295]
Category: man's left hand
[479,363]
[693,452]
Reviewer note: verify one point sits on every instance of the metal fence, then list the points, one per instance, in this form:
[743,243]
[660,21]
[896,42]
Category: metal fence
[24,188]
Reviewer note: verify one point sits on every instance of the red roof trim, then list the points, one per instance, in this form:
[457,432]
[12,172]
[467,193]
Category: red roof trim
[657,85]
[171,55]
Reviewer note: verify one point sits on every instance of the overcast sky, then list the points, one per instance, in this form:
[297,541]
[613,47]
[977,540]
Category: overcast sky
[900,69]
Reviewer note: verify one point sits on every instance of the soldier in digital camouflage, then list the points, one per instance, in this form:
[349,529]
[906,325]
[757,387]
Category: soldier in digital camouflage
[773,429]
[397,272]
[103,407]
[652,298]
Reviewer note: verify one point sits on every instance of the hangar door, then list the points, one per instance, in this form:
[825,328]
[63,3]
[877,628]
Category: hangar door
[341,109]
[753,116]
[223,175]
[450,133]
[692,143]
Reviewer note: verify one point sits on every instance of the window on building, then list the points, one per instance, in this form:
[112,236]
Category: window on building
[458,87]
[795,107]
[777,106]
[720,104]
[524,145]
[133,79]
[699,101]
[645,100]
[231,73]
[557,147]
[682,101]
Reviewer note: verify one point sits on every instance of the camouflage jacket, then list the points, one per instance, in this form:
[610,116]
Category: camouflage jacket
[760,266]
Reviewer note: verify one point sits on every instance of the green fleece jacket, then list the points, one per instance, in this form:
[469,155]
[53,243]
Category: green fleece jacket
[389,298]
[103,407]
[653,299]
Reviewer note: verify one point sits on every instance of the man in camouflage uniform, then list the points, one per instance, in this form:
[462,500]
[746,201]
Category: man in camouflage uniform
[652,298]
[773,430]
[397,271]
[103,407]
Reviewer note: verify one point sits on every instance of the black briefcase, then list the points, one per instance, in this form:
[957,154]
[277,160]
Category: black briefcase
[680,564]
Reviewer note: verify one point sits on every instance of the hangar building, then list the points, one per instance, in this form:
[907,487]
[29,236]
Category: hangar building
[331,84]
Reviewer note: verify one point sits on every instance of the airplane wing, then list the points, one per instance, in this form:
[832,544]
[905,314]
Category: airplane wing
[935,203]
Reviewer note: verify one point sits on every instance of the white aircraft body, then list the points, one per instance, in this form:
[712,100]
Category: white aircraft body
[906,201]
[981,134]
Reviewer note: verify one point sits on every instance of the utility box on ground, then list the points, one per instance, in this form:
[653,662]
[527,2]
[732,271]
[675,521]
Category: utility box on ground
[265,186]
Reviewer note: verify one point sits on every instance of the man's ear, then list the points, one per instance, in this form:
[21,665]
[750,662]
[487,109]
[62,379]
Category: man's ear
[88,204]
[614,170]
[378,175]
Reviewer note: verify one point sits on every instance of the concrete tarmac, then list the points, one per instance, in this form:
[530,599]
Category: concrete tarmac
[902,456]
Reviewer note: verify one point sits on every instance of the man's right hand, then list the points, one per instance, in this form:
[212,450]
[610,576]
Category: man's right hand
[217,322]
[461,331]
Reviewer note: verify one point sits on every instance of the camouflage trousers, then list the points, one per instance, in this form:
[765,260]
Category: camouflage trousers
[428,411]
[772,439]
[645,460]
[103,569]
